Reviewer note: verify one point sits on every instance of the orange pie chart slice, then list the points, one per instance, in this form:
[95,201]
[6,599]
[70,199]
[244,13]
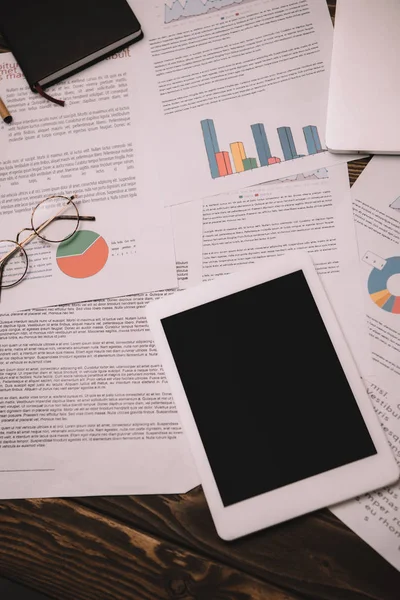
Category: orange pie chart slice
[83,255]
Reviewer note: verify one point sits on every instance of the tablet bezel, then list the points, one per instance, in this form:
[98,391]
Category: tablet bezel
[309,494]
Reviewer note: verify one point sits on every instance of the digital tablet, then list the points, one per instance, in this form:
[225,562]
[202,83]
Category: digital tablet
[269,396]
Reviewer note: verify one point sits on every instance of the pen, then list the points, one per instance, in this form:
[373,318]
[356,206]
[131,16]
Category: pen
[4,114]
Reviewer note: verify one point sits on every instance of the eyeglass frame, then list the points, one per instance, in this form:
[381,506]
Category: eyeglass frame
[36,233]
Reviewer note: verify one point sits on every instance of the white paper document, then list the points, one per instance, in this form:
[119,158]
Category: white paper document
[187,226]
[236,91]
[310,212]
[375,516]
[85,408]
[376,204]
[88,148]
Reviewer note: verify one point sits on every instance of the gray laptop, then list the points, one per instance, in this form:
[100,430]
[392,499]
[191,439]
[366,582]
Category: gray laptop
[364,94]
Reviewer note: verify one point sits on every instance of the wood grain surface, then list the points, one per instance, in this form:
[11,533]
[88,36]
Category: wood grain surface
[166,547]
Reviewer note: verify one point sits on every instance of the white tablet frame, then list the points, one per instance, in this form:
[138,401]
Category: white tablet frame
[309,494]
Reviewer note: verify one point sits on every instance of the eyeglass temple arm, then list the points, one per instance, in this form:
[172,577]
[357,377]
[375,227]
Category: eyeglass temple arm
[73,218]
[35,232]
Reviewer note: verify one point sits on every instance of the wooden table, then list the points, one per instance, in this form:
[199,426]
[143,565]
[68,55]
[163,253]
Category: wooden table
[165,547]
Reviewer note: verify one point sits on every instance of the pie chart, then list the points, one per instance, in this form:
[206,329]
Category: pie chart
[83,255]
[377,286]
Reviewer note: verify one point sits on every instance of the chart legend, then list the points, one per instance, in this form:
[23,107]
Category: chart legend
[222,163]
[83,255]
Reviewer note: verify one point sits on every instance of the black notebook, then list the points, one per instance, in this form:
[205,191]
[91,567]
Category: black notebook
[51,39]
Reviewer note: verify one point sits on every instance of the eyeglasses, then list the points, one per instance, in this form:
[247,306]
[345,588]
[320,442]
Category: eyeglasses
[54,220]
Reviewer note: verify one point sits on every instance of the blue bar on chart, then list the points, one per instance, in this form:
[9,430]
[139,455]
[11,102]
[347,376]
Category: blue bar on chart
[211,144]
[313,142]
[287,143]
[262,145]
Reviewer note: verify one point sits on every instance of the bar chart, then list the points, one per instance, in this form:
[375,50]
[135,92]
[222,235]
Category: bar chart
[223,162]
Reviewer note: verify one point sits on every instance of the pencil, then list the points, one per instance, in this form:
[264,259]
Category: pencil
[4,114]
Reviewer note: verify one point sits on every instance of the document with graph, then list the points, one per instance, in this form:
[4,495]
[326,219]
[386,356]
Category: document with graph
[85,408]
[236,91]
[87,150]
[376,207]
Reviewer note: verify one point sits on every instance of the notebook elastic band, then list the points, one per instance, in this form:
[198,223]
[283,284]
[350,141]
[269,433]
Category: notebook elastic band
[41,91]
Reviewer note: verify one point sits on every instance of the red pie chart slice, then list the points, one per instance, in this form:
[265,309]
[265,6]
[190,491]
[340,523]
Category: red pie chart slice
[84,255]
[396,306]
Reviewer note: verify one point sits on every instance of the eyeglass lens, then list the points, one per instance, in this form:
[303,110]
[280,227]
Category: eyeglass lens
[14,263]
[55,219]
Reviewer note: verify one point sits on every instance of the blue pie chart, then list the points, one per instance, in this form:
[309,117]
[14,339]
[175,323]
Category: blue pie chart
[377,286]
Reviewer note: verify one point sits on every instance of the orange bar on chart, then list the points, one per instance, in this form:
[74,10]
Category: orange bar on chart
[239,154]
[223,163]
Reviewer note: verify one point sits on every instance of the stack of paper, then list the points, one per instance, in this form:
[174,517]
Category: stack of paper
[84,405]
[374,516]
[198,151]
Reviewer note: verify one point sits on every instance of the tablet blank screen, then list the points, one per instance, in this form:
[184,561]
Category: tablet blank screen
[267,391]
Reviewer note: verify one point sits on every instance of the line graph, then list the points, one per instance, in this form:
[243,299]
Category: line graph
[181,9]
